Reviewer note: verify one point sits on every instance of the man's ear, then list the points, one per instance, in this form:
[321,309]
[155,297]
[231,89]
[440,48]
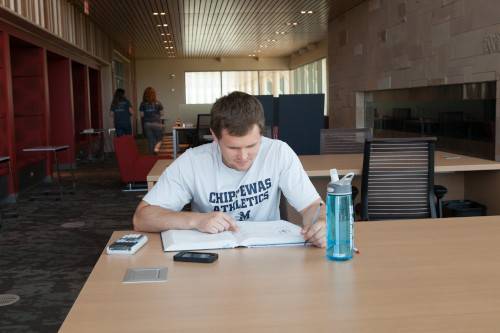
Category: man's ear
[213,136]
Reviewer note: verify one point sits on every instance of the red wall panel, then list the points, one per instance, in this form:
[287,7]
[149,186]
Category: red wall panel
[28,96]
[25,61]
[61,109]
[80,105]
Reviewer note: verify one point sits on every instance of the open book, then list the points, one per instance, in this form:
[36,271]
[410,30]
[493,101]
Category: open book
[250,234]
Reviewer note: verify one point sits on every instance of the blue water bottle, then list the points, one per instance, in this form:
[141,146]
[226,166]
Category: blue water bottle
[339,217]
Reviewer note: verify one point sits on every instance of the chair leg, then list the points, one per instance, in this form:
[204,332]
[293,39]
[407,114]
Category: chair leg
[131,188]
[440,191]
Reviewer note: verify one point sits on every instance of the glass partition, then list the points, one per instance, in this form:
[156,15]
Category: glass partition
[461,116]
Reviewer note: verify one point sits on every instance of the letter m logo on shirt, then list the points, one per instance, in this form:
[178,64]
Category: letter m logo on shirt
[244,216]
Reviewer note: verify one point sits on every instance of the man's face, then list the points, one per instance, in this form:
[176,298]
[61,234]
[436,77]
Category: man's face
[239,152]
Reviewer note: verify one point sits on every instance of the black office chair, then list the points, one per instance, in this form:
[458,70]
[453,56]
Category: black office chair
[203,134]
[398,179]
[344,141]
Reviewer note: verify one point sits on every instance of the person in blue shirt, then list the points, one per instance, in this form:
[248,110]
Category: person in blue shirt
[151,115]
[121,110]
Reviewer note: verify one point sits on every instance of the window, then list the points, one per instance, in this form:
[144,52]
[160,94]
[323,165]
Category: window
[202,87]
[206,87]
[310,79]
[119,73]
[246,81]
[274,82]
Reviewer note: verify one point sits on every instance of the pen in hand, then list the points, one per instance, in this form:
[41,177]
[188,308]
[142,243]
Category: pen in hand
[315,217]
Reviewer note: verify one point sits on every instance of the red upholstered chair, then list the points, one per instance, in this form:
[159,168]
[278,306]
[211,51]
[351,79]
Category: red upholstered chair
[133,166]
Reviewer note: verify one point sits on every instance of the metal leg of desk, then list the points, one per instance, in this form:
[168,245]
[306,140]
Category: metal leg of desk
[175,140]
[58,175]
[73,176]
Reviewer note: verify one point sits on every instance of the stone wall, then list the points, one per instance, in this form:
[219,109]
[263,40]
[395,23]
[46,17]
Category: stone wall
[391,44]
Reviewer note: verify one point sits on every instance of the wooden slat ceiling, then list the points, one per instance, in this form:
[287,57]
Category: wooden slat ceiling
[215,28]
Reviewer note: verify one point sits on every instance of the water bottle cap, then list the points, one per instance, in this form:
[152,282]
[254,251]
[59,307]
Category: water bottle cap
[342,186]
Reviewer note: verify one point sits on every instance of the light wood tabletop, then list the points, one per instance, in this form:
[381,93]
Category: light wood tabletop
[320,165]
[411,276]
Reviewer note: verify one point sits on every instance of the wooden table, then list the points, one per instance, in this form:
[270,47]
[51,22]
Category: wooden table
[465,177]
[411,276]
[320,165]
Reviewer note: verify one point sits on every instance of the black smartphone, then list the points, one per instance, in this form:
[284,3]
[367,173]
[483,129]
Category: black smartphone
[189,256]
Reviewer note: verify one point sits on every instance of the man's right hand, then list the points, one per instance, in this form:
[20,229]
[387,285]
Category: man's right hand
[216,222]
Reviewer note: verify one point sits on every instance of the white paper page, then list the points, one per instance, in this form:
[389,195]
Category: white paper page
[179,240]
[268,233]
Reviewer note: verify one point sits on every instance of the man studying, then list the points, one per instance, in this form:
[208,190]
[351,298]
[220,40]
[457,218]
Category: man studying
[239,176]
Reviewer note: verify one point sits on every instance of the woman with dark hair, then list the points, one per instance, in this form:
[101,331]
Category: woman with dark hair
[121,109]
[150,112]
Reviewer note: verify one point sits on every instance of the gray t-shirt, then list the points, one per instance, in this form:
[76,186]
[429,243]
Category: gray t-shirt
[199,176]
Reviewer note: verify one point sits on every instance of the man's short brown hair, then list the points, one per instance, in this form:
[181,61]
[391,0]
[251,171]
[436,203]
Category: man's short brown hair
[237,113]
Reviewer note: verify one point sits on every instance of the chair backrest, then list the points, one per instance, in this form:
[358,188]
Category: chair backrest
[126,152]
[133,166]
[202,127]
[343,140]
[398,179]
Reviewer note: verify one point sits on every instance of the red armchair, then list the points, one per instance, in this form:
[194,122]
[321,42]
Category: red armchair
[133,166]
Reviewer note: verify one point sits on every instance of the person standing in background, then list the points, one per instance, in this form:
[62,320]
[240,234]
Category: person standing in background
[150,112]
[121,110]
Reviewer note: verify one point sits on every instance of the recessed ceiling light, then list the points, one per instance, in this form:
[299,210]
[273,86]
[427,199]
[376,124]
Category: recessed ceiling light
[303,12]
[171,47]
[155,13]
[162,13]
[164,41]
[168,34]
[170,41]
[158,25]
[165,25]
[309,12]
[163,34]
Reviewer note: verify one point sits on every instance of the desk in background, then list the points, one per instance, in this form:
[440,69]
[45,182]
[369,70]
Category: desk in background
[436,275]
[90,133]
[464,176]
[54,150]
[175,137]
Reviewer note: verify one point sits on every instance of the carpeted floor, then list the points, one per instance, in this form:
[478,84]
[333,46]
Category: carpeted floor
[49,249]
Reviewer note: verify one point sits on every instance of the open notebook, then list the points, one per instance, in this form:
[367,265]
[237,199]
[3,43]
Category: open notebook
[250,234]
